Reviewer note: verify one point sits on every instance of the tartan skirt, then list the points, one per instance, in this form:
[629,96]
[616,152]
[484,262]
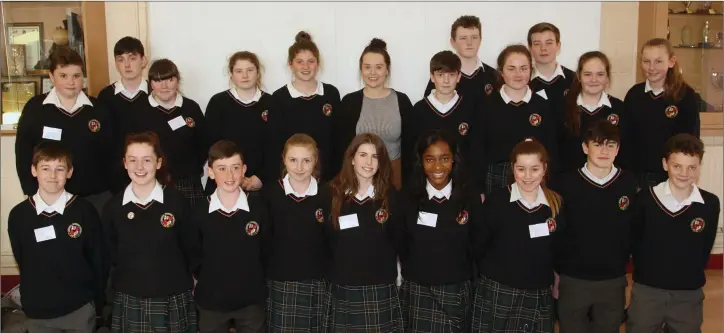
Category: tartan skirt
[191,188]
[498,308]
[296,306]
[441,308]
[172,314]
[373,308]
[498,175]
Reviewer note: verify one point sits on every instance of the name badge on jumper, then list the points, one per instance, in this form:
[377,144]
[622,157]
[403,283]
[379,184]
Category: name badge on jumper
[538,230]
[177,123]
[428,219]
[348,221]
[52,133]
[44,234]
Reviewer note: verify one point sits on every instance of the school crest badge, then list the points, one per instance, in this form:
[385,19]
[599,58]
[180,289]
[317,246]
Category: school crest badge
[462,217]
[488,89]
[190,122]
[697,224]
[381,216]
[168,220]
[327,109]
[613,119]
[252,228]
[131,215]
[623,202]
[319,214]
[535,119]
[265,115]
[463,128]
[94,125]
[672,111]
[74,230]
[551,224]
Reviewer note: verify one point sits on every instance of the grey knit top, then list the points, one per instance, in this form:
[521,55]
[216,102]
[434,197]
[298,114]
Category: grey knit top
[381,116]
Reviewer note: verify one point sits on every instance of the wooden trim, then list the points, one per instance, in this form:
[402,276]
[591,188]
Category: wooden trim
[8,132]
[94,19]
[652,24]
[712,123]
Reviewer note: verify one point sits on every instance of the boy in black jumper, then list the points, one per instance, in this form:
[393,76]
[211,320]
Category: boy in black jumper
[672,238]
[544,41]
[57,244]
[231,228]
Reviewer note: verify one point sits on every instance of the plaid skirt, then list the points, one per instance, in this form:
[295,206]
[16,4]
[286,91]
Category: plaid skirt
[502,309]
[296,306]
[498,175]
[190,187]
[172,314]
[374,308]
[442,308]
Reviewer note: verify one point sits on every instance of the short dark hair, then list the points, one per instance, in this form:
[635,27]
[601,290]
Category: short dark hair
[543,27]
[601,131]
[223,149]
[64,56]
[467,22]
[163,69]
[52,151]
[445,61]
[128,45]
[684,143]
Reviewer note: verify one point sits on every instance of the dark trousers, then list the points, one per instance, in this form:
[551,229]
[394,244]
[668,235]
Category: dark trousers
[250,319]
[82,320]
[681,310]
[591,306]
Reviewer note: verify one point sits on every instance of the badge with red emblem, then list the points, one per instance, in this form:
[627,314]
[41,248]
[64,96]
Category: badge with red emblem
[381,216]
[252,228]
[623,202]
[319,214]
[551,224]
[697,224]
[488,89]
[74,230]
[672,111]
[190,122]
[463,128]
[462,217]
[535,119]
[94,125]
[613,119]
[167,220]
[265,114]
[327,109]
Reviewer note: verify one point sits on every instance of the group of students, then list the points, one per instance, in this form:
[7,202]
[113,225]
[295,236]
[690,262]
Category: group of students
[485,191]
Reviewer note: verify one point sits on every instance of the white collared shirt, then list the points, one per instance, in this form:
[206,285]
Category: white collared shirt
[599,181]
[663,193]
[156,194]
[255,98]
[604,100]
[507,99]
[432,192]
[311,189]
[81,100]
[480,66]
[215,203]
[58,206]
[516,196]
[177,103]
[120,88]
[556,72]
[647,88]
[439,106]
[296,93]
[369,194]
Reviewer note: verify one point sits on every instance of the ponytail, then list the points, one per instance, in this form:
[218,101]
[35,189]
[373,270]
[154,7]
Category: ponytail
[553,198]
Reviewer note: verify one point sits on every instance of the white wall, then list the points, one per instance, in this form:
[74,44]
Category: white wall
[200,36]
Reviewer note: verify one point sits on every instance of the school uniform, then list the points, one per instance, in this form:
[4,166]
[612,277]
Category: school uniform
[230,271]
[59,251]
[120,101]
[298,257]
[243,122]
[609,108]
[556,87]
[514,246]
[363,269]
[296,112]
[380,116]
[151,245]
[503,125]
[437,261]
[594,249]
[85,129]
[655,119]
[671,247]
[476,85]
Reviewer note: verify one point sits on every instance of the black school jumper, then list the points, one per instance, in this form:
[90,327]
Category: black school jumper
[62,274]
[654,119]
[311,115]
[477,86]
[246,126]
[556,89]
[87,133]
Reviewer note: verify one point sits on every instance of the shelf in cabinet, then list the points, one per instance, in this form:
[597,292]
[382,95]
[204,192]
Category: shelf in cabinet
[695,14]
[697,47]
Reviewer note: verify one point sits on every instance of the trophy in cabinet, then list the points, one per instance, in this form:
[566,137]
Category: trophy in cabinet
[717,79]
[687,7]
